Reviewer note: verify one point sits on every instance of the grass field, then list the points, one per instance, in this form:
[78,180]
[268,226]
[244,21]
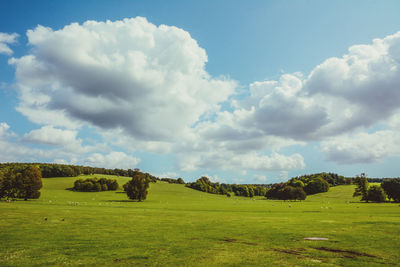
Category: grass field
[184,227]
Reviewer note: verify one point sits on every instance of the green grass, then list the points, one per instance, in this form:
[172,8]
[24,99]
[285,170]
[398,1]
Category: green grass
[182,227]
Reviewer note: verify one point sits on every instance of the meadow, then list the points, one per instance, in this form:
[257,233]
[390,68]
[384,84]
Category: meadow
[179,226]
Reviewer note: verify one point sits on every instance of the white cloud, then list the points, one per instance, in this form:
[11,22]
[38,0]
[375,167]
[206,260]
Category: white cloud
[6,39]
[4,129]
[148,81]
[339,97]
[214,178]
[173,175]
[51,136]
[65,148]
[145,87]
[362,147]
[112,160]
[228,160]
[364,84]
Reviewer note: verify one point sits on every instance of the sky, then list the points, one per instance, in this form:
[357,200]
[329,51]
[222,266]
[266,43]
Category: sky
[239,91]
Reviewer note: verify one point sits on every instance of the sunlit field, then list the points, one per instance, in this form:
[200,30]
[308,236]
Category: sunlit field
[179,226]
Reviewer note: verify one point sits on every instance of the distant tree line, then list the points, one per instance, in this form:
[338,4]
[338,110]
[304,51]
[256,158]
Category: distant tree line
[95,185]
[49,170]
[205,185]
[20,182]
[173,181]
[298,188]
[333,179]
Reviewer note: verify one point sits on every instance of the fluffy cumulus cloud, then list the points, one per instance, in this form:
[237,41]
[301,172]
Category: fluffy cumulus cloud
[339,97]
[5,40]
[145,87]
[62,147]
[4,127]
[112,160]
[362,147]
[51,136]
[229,160]
[149,81]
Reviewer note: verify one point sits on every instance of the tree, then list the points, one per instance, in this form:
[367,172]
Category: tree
[362,186]
[292,193]
[296,183]
[32,182]
[376,194]
[392,188]
[137,187]
[298,193]
[21,183]
[316,185]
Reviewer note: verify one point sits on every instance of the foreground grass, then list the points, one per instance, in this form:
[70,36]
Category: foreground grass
[181,226]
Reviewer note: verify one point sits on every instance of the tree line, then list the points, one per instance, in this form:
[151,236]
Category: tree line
[388,189]
[173,181]
[205,185]
[50,170]
[297,188]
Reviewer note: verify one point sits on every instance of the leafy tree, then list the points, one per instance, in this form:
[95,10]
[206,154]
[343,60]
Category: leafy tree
[137,187]
[30,182]
[21,181]
[362,186]
[376,194]
[8,185]
[316,185]
[296,183]
[392,188]
[275,191]
[298,193]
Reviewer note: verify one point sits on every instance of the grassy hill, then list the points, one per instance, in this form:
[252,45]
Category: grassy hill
[180,226]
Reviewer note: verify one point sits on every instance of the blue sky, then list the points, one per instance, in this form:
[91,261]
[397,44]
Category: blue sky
[244,92]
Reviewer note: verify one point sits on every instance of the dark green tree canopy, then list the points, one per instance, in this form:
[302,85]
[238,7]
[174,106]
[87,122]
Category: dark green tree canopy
[316,185]
[392,188]
[136,188]
[21,182]
[362,186]
[95,185]
[376,194]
